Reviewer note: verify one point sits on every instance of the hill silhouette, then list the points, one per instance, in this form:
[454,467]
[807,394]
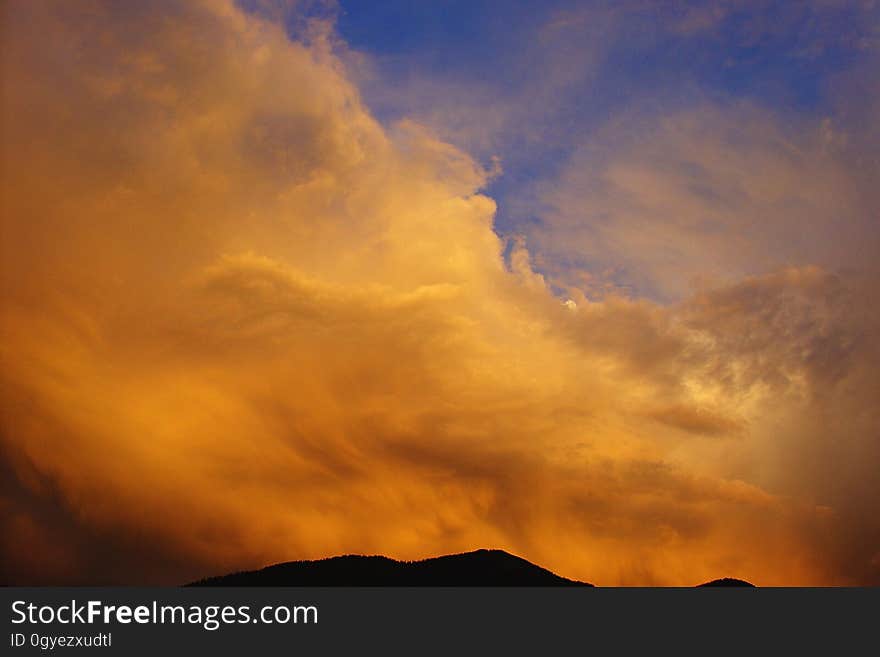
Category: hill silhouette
[727,581]
[477,568]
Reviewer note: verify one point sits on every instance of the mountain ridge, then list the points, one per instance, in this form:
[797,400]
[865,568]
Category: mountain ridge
[728,581]
[482,567]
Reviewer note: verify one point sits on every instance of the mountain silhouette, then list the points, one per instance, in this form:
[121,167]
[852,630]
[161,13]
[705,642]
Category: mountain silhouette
[727,581]
[477,568]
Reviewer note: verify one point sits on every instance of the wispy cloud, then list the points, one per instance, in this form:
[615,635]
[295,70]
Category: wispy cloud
[243,322]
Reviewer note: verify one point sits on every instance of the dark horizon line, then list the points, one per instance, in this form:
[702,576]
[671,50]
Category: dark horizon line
[479,567]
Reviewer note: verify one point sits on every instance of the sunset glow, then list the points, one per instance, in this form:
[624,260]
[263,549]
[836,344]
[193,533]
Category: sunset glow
[279,284]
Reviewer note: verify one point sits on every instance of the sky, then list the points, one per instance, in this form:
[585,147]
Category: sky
[591,282]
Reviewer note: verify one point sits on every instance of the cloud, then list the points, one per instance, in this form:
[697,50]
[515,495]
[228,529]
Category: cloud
[695,420]
[243,322]
[663,204]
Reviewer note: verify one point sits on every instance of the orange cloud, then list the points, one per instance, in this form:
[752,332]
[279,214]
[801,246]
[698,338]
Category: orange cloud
[242,322]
